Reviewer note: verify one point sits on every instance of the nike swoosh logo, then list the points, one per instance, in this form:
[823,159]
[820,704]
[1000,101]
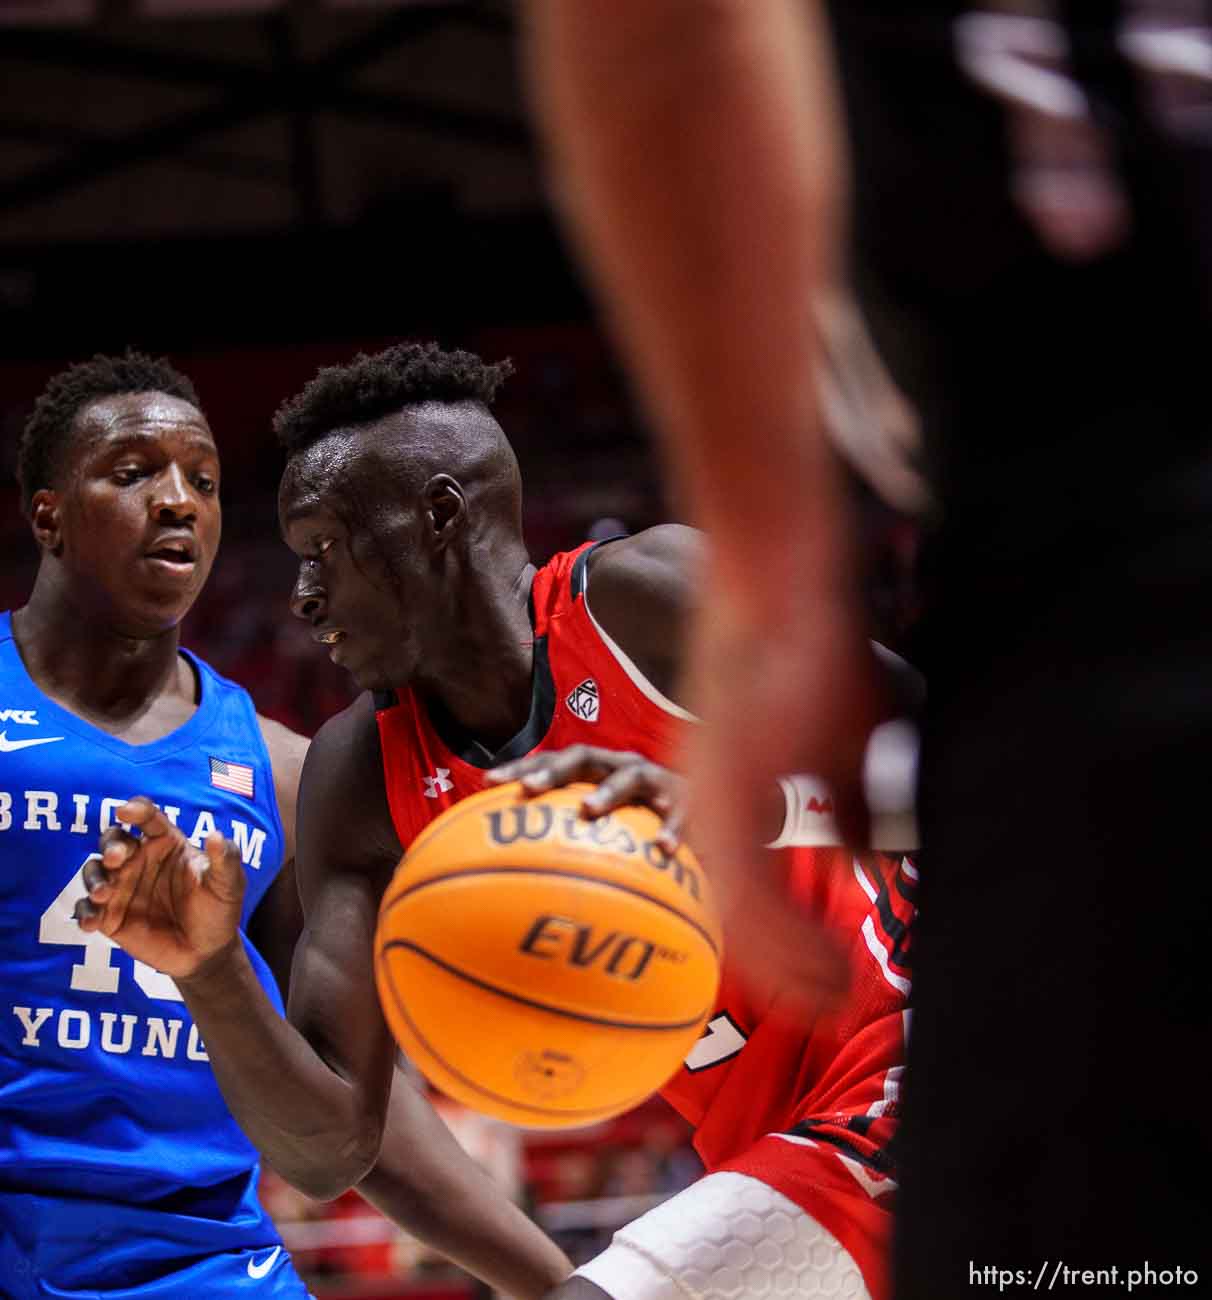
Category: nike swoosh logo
[256,1270]
[11,746]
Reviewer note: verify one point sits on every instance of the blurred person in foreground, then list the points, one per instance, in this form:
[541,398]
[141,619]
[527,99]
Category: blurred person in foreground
[1031,220]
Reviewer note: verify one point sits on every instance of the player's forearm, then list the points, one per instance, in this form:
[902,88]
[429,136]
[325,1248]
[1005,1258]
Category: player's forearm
[427,1183]
[320,1131]
[695,148]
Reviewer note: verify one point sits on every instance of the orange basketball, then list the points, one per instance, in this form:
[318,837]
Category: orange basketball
[542,968]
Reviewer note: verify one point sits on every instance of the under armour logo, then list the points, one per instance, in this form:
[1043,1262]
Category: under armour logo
[583,700]
[440,782]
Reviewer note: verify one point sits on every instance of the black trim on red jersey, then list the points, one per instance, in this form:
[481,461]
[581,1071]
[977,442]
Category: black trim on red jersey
[878,1161]
[905,887]
[896,929]
[578,579]
[384,700]
[542,709]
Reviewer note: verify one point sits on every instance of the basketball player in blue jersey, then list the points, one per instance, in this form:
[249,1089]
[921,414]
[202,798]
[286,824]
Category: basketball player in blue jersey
[122,1172]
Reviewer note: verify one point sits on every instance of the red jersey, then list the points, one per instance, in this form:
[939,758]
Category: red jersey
[807,1106]
[581,694]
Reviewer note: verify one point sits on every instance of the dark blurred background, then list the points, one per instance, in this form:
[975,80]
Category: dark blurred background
[256,188]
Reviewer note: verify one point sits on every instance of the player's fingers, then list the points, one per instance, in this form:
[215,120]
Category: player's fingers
[672,827]
[101,877]
[542,772]
[117,847]
[87,914]
[96,880]
[224,871]
[517,769]
[639,782]
[141,812]
[103,910]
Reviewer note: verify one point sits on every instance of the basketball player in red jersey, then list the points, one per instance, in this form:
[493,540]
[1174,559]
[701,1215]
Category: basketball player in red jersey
[793,1116]
[402,499]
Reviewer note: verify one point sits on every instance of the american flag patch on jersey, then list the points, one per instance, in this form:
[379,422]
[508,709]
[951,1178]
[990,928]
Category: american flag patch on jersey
[236,777]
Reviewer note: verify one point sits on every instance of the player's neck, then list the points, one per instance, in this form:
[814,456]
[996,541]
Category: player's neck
[485,681]
[111,679]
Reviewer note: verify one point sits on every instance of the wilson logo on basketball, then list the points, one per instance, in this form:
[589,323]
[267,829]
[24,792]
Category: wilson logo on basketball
[539,821]
[623,955]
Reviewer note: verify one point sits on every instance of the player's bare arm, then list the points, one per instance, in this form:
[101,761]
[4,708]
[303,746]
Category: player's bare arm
[427,1183]
[579,1288]
[421,1178]
[675,132]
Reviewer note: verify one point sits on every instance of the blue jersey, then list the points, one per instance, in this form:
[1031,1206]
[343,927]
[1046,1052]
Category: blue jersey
[122,1172]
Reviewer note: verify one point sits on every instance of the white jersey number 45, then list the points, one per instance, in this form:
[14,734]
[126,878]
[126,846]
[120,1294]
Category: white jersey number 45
[96,973]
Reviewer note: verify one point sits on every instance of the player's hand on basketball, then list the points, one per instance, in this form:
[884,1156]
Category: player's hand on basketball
[162,900]
[620,778]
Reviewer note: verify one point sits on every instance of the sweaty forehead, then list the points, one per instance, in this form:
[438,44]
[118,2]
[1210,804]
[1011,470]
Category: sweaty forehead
[371,463]
[122,415]
[330,477]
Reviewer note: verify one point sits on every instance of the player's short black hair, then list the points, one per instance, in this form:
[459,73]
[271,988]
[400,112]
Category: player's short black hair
[370,387]
[48,430]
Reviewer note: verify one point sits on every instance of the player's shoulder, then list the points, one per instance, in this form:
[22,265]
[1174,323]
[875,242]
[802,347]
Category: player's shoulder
[665,556]
[649,576]
[287,751]
[348,743]
[641,590]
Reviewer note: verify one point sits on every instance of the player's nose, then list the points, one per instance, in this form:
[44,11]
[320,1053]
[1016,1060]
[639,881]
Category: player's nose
[307,599]
[171,496]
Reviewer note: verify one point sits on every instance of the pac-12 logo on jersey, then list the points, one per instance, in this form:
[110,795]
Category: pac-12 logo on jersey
[583,700]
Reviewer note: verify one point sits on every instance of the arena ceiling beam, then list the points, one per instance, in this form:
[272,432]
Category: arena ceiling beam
[283,84]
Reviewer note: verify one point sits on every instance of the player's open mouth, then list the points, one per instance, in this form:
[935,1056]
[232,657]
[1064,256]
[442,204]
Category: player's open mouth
[174,551]
[177,559]
[330,636]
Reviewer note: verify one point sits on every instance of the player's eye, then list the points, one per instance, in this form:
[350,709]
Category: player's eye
[205,484]
[127,474]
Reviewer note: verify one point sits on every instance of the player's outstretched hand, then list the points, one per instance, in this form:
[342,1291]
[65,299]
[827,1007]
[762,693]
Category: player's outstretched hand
[163,901]
[620,777]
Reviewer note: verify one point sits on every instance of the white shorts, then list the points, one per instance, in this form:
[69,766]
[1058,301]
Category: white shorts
[726,1237]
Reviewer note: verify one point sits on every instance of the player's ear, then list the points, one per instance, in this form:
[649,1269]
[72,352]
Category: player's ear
[445,509]
[46,521]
